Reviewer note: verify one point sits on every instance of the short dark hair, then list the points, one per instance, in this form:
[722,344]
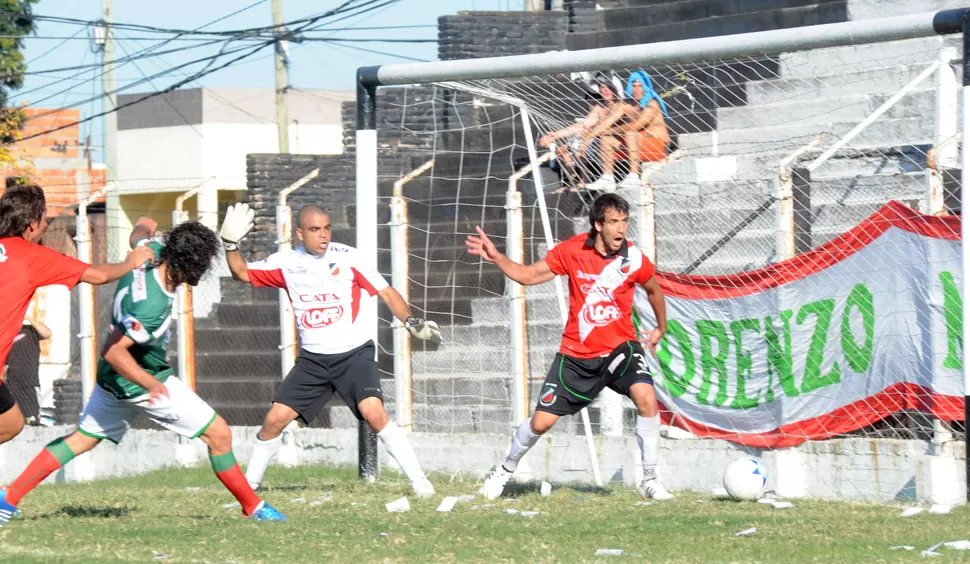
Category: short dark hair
[597,213]
[594,99]
[189,250]
[20,206]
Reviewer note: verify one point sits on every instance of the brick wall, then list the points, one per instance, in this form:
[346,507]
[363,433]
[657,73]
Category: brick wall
[472,35]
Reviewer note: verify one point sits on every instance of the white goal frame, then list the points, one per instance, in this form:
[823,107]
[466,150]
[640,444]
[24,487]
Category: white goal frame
[370,79]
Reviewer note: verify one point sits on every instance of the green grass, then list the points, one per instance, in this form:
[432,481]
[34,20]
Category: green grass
[134,519]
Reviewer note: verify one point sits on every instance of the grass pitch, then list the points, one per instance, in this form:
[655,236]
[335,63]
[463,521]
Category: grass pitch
[178,516]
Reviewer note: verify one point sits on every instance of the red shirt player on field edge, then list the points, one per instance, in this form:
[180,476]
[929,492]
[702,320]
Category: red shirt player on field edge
[25,266]
[599,344]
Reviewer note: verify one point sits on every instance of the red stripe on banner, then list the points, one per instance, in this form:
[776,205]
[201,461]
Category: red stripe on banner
[851,417]
[893,214]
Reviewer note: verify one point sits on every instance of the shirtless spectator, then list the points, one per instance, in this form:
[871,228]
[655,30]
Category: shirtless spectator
[573,157]
[637,126]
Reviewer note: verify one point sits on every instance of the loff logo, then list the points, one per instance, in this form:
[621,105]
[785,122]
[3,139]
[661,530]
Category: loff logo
[321,316]
[548,395]
[3,253]
[602,313]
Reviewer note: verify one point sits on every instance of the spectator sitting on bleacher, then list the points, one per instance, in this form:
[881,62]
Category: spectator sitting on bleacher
[638,126]
[575,159]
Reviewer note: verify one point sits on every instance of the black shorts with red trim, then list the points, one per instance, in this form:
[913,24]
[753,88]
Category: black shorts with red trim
[7,402]
[573,383]
[315,377]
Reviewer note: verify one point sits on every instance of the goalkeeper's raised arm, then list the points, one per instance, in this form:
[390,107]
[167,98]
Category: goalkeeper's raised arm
[527,275]
[238,223]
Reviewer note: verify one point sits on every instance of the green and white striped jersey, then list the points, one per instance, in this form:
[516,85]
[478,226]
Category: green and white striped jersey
[143,310]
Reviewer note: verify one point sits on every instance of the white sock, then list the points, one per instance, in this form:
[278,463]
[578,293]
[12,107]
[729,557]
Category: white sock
[523,440]
[648,437]
[399,447]
[263,452]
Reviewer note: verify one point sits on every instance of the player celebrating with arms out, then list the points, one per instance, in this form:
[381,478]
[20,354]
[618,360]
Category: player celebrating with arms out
[134,376]
[25,265]
[324,281]
[599,344]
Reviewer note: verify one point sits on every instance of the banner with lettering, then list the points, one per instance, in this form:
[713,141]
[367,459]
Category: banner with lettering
[822,344]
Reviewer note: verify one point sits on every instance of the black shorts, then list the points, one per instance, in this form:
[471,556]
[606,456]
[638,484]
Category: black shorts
[573,383]
[6,399]
[311,382]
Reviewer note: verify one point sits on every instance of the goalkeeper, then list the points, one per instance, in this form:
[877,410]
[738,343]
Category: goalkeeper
[134,376]
[325,282]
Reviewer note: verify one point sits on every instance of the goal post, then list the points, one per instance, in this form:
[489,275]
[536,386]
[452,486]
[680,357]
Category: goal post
[782,174]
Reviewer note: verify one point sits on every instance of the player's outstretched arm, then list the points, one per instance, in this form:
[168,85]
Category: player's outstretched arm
[237,224]
[481,246]
[103,273]
[144,229]
[116,354]
[655,296]
[419,327]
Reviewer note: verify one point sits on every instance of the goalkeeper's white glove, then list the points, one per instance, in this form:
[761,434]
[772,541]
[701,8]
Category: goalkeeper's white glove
[423,329]
[238,222]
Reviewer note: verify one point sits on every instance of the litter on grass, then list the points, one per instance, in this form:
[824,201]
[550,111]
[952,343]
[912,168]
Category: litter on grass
[447,504]
[940,509]
[545,489]
[782,504]
[231,505]
[529,513]
[399,505]
[902,547]
[511,511]
[910,511]
[298,500]
[642,503]
[609,552]
[746,532]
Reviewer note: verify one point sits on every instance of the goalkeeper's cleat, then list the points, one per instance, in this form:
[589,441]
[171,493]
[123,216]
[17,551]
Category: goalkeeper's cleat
[495,483]
[653,488]
[605,183]
[423,488]
[7,510]
[266,512]
[630,182]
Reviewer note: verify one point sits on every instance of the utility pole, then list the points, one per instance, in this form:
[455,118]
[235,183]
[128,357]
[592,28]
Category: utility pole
[282,79]
[114,215]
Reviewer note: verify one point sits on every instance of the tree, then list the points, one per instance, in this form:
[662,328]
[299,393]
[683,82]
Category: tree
[16,22]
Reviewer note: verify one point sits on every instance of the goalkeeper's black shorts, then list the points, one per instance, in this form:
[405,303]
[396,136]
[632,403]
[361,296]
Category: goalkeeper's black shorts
[314,378]
[7,401]
[573,383]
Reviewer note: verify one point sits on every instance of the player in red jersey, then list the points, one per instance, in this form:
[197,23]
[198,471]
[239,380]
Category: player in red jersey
[600,347]
[25,266]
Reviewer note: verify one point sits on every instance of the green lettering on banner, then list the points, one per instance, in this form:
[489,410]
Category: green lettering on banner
[710,331]
[742,401]
[676,383]
[953,313]
[859,358]
[813,378]
[779,357]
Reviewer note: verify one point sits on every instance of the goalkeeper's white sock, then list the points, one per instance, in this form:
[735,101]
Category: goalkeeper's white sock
[523,440]
[397,444]
[263,452]
[648,437]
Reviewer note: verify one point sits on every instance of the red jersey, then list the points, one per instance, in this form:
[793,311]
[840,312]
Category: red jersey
[24,267]
[601,292]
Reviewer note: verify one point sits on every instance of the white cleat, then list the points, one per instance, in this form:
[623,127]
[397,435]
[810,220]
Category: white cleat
[630,182]
[605,183]
[653,488]
[495,483]
[423,488]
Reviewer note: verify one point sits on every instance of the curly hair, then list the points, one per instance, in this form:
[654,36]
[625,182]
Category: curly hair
[188,252]
[20,206]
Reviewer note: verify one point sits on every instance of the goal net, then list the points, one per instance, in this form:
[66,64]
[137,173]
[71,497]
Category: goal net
[802,210]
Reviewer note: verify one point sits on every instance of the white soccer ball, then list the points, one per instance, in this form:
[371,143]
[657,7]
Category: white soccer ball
[745,479]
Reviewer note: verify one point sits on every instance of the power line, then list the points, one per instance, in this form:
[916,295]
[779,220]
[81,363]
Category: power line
[376,52]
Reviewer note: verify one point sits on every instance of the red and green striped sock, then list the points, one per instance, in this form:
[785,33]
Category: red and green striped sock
[54,456]
[232,477]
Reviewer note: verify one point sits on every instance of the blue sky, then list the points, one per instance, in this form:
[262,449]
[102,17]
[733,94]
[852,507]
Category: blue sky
[313,65]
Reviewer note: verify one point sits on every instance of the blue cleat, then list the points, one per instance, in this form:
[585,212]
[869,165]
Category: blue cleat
[8,511]
[266,512]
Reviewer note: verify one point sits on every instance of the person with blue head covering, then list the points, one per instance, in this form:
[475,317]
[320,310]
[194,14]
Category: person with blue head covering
[636,127]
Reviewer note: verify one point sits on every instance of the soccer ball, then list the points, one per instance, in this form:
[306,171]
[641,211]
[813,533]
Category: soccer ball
[745,479]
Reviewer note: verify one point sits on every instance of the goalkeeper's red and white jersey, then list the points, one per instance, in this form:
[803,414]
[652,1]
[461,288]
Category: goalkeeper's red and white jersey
[325,292]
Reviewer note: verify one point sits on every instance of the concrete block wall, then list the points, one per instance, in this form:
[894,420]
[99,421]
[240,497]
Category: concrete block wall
[472,35]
